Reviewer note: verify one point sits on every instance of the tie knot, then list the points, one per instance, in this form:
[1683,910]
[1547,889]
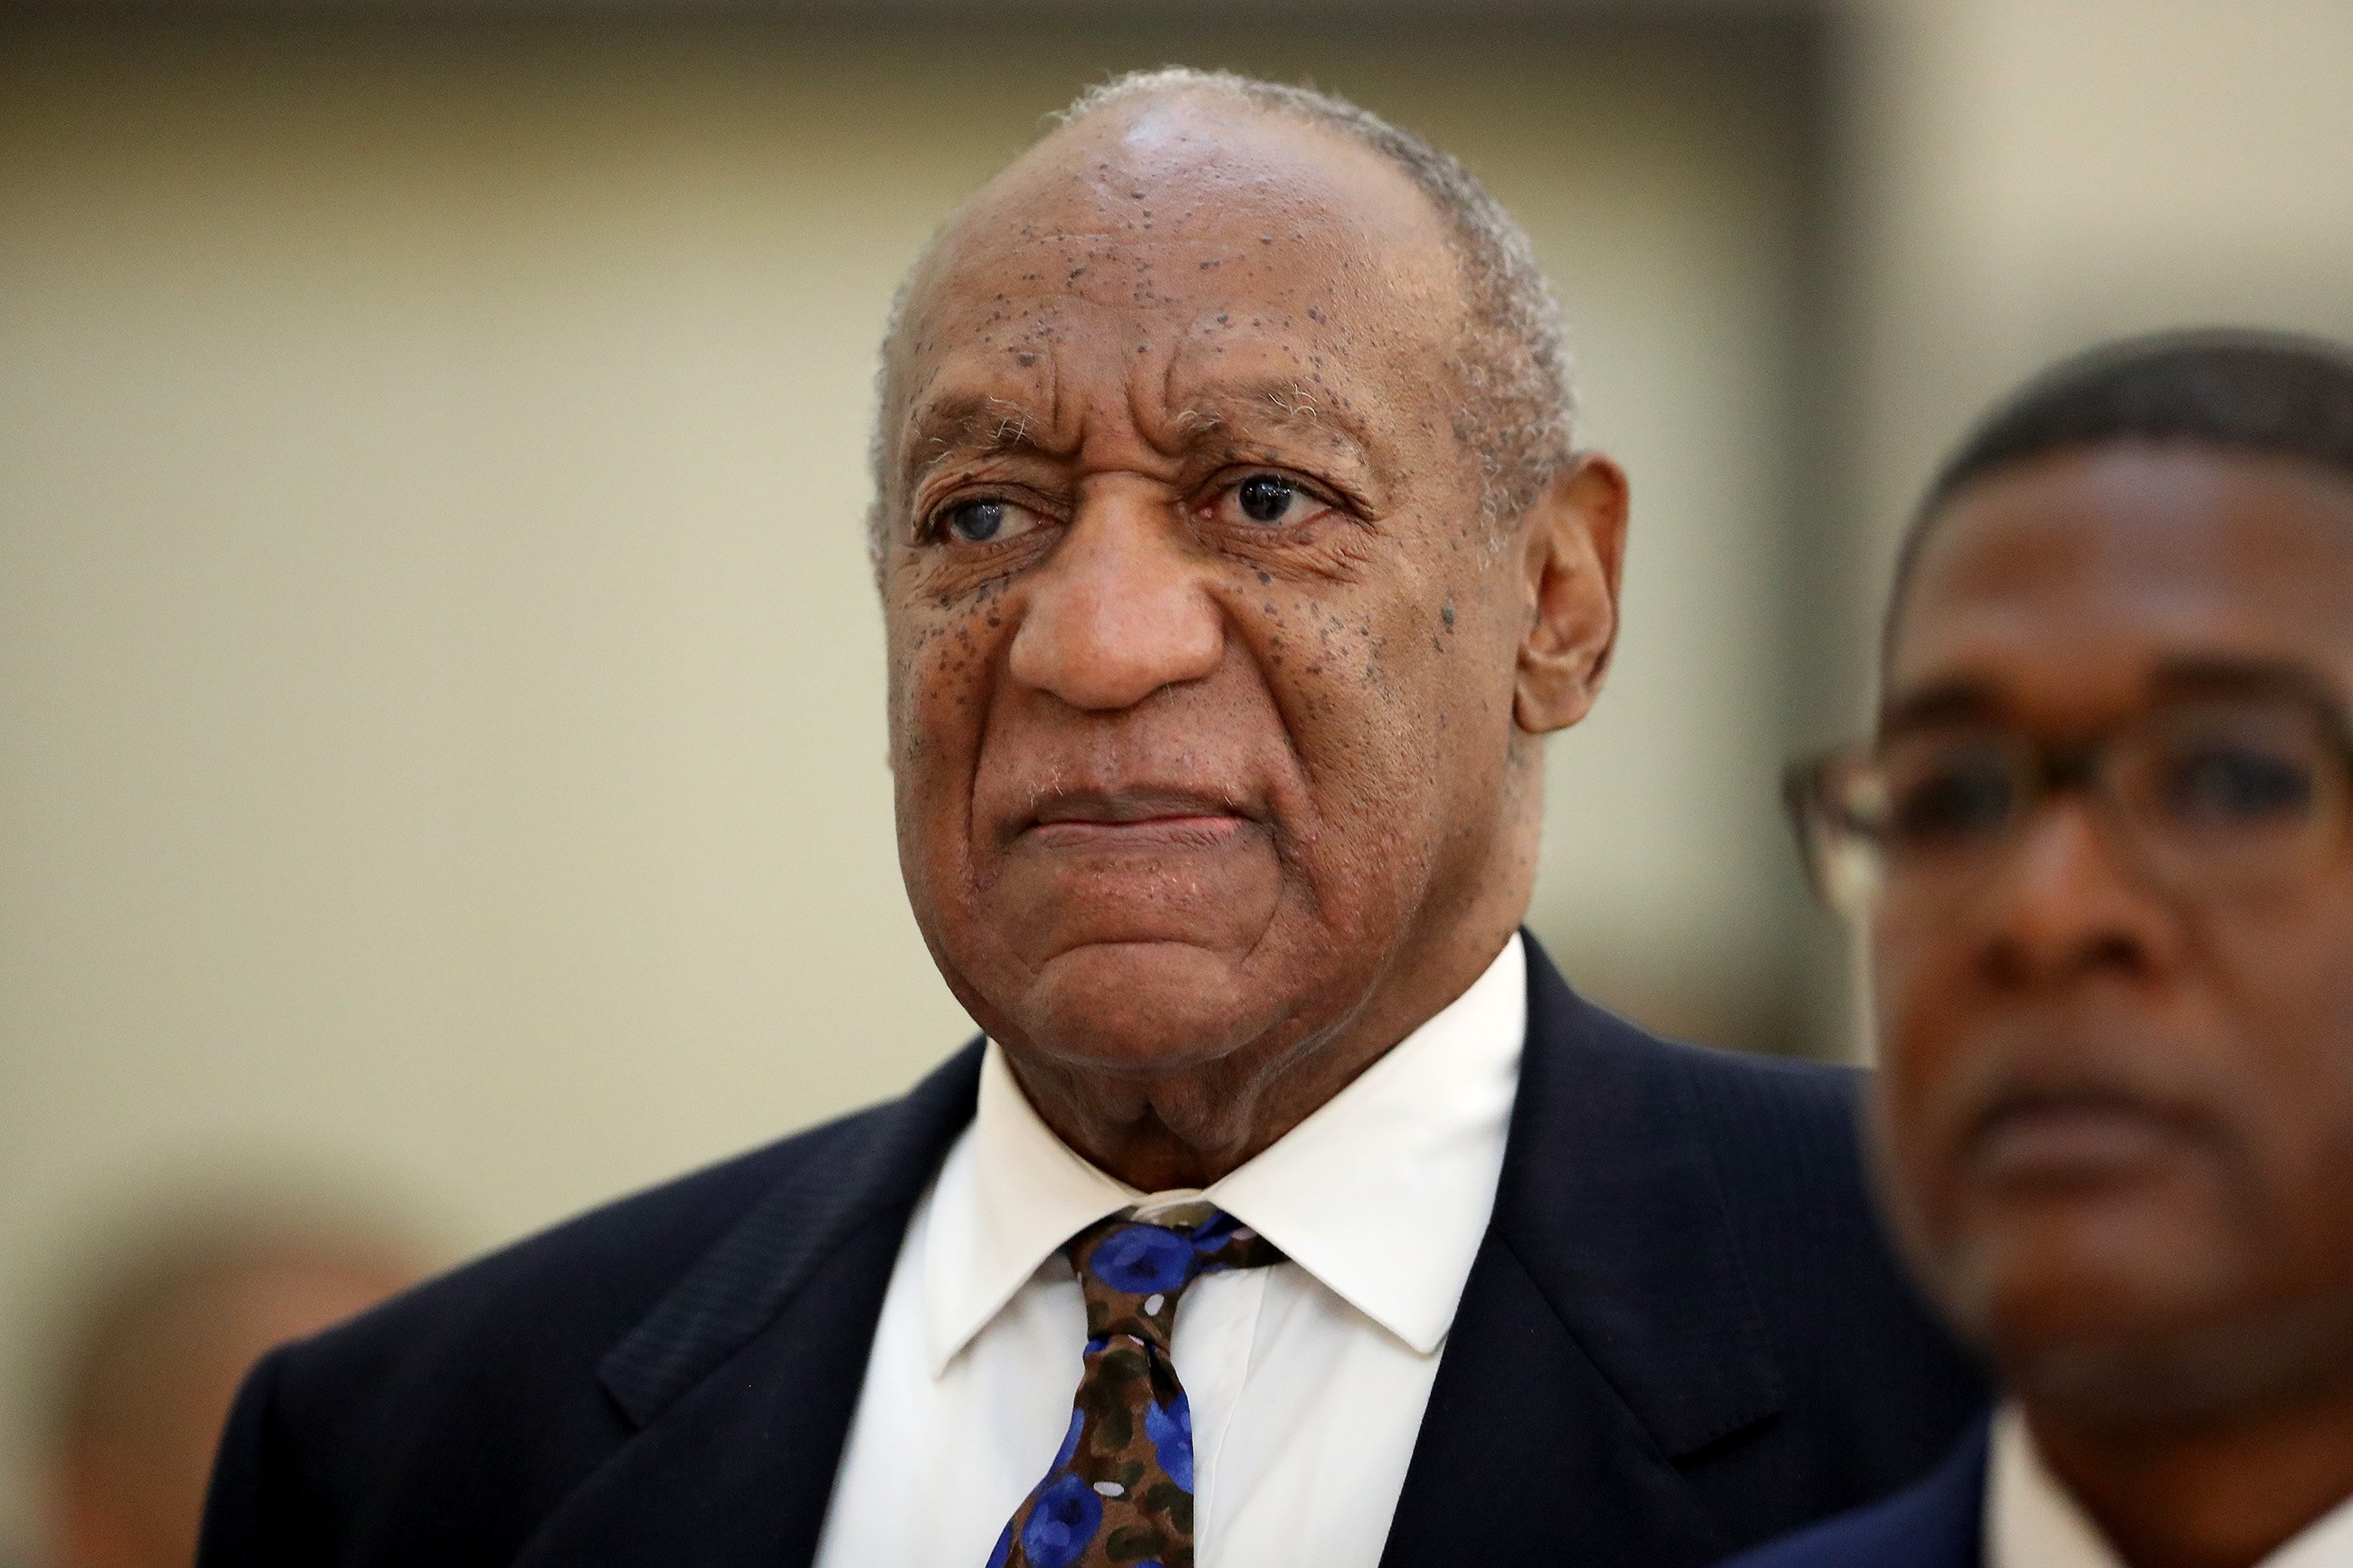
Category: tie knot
[1131,1271]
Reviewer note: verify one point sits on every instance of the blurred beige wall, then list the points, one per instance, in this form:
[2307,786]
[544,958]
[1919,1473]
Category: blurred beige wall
[2031,176]
[440,702]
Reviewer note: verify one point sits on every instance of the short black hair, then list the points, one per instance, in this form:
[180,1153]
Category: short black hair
[2281,393]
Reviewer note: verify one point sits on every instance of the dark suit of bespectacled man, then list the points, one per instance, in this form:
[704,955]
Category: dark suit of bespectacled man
[2102,847]
[1235,559]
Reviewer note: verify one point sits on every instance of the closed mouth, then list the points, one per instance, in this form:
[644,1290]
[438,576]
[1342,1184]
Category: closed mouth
[2073,1135]
[1133,818]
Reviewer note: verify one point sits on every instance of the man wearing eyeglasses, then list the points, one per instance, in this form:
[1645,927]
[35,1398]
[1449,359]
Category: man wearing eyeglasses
[2100,847]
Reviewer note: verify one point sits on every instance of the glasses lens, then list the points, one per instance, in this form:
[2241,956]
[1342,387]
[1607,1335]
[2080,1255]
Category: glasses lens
[2236,788]
[1834,803]
[1949,794]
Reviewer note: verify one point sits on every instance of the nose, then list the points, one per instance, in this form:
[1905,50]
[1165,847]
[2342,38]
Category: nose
[1121,610]
[2067,907]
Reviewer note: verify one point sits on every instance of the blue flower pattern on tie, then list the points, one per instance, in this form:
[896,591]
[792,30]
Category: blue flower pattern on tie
[1170,1428]
[1140,1260]
[1065,1516]
[1120,1492]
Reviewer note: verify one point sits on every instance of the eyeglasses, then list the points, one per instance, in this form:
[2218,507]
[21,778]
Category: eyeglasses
[2208,796]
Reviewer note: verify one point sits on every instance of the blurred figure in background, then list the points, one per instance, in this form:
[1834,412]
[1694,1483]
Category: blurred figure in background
[153,1358]
[2102,844]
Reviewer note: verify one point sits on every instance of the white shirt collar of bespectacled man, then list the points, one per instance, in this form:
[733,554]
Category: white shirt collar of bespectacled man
[2032,1522]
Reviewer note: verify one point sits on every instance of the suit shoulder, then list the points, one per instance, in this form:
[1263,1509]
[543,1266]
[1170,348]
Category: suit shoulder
[444,1424]
[1936,1523]
[1786,1084]
[1858,1539]
[1747,1101]
[552,1303]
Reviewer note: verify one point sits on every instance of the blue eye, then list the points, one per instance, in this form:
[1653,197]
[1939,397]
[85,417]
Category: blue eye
[976,521]
[1265,498]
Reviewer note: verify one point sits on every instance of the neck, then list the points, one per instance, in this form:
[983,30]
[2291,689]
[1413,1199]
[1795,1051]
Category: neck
[2223,1495]
[1188,1128]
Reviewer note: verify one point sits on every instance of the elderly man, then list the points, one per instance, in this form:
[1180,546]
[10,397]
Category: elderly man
[2101,845]
[1235,561]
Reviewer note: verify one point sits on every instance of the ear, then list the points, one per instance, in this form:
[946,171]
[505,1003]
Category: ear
[1573,546]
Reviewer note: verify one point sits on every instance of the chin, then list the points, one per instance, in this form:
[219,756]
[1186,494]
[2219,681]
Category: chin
[2163,1380]
[1141,1007]
[2157,1337]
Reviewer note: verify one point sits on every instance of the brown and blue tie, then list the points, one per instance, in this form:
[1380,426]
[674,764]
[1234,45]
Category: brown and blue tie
[1120,1494]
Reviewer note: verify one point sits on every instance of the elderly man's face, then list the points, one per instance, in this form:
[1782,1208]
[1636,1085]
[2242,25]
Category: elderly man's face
[1202,654]
[2117,1106]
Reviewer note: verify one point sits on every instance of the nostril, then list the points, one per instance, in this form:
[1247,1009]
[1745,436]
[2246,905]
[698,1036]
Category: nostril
[2013,959]
[2114,950]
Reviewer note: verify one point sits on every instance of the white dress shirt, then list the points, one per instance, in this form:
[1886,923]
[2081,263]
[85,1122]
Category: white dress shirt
[2032,1522]
[1307,1380]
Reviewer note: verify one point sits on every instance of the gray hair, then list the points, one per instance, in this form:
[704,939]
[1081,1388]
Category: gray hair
[1514,360]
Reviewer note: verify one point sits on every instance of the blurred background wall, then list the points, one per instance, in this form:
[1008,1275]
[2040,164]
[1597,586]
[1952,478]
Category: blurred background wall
[440,721]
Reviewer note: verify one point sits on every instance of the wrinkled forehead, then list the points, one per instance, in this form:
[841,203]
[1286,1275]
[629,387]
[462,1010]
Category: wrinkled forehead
[1183,209]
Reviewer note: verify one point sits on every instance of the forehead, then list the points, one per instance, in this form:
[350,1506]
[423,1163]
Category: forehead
[2070,579]
[1266,241]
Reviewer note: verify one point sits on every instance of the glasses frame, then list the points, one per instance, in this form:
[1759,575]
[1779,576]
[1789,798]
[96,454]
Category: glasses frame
[1823,823]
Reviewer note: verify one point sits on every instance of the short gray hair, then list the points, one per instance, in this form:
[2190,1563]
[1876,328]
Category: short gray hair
[1514,360]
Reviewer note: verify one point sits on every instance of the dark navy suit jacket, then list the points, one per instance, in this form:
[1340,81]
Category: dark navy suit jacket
[1939,1523]
[1682,1335]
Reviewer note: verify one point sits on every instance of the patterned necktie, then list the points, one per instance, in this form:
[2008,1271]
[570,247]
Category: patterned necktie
[1120,1494]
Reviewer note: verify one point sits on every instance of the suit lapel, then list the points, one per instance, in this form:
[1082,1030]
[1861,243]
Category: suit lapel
[1606,1329]
[744,1379]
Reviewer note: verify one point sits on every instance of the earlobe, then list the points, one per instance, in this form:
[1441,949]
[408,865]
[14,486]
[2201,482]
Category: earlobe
[1574,551]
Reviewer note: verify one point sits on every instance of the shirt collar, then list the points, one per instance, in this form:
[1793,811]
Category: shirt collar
[2032,1522]
[1382,1193]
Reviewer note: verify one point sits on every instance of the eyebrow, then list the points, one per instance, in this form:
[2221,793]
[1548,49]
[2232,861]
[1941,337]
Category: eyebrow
[2243,678]
[971,423]
[1968,700]
[1284,402]
[977,424]
[1945,702]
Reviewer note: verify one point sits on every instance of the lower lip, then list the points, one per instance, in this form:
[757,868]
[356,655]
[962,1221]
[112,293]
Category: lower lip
[2072,1143]
[1150,832]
